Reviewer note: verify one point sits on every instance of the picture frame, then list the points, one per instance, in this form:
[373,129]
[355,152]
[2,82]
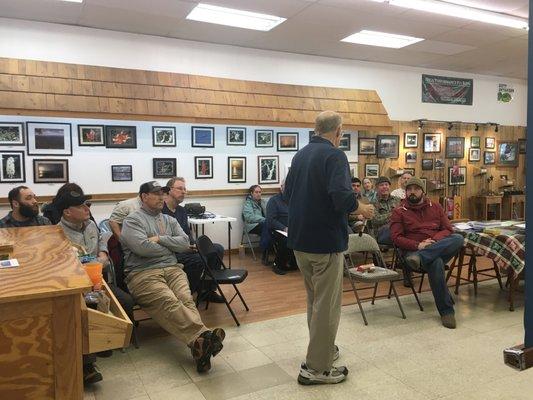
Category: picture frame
[287,141]
[268,169]
[164,168]
[459,180]
[439,163]
[12,134]
[432,142]
[91,135]
[50,171]
[12,167]
[121,173]
[120,137]
[236,169]
[164,136]
[474,154]
[49,138]
[203,167]
[264,138]
[455,147]
[475,142]
[490,143]
[507,153]
[522,146]
[202,136]
[410,157]
[367,146]
[235,136]
[345,142]
[354,173]
[388,146]
[427,164]
[372,171]
[489,157]
[410,140]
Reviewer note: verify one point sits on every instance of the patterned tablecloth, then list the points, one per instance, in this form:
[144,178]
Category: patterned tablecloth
[507,250]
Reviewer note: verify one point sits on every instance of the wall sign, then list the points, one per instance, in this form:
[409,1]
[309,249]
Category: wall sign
[446,90]
[505,93]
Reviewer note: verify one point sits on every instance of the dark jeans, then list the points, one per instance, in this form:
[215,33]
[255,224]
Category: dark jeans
[194,267]
[262,230]
[383,235]
[433,258]
[284,256]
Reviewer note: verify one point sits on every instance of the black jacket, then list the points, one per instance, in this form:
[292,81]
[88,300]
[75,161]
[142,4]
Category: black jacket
[277,213]
[319,193]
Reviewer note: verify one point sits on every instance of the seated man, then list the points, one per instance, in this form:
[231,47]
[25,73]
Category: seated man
[384,204]
[356,187]
[192,262]
[277,218]
[400,191]
[157,282]
[121,210]
[25,209]
[422,229]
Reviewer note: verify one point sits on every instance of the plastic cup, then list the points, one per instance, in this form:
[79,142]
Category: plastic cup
[94,270]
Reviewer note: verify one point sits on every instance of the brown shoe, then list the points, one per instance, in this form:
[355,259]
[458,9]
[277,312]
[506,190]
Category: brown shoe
[448,321]
[202,349]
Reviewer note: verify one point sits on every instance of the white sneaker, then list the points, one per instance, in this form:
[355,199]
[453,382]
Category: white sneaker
[336,353]
[311,377]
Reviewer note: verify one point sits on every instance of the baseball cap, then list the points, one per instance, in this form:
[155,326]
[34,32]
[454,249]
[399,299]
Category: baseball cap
[153,187]
[382,179]
[71,199]
[416,181]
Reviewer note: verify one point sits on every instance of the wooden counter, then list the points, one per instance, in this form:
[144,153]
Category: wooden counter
[40,317]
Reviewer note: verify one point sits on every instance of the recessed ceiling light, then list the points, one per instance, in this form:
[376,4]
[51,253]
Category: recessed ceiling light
[381,39]
[233,17]
[461,11]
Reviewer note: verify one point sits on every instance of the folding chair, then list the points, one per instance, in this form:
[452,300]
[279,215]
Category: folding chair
[247,242]
[364,243]
[398,262]
[224,276]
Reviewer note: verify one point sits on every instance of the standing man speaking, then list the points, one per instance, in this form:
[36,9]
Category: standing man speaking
[320,196]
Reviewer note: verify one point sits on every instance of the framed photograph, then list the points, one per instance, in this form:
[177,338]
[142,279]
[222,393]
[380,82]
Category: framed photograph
[50,171]
[455,147]
[202,136]
[507,154]
[13,167]
[236,169]
[120,137]
[12,134]
[91,135]
[439,163]
[474,155]
[203,167]
[427,164]
[489,157]
[458,178]
[345,142]
[521,146]
[268,169]
[371,170]
[287,141]
[410,170]
[367,146]
[410,157]
[475,142]
[490,143]
[388,146]
[164,168]
[354,169]
[49,139]
[432,142]
[235,136]
[264,138]
[164,136]
[121,173]
[410,140]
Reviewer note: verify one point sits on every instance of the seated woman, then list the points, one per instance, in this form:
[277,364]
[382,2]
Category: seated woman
[368,191]
[254,217]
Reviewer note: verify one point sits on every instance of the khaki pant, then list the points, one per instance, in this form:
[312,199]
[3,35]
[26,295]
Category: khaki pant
[165,295]
[323,281]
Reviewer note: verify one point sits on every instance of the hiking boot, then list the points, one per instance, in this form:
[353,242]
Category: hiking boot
[336,353]
[91,374]
[217,337]
[448,321]
[414,262]
[311,377]
[202,350]
[212,297]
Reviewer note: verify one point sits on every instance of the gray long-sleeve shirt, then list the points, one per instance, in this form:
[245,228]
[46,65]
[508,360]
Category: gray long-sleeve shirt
[141,253]
[86,236]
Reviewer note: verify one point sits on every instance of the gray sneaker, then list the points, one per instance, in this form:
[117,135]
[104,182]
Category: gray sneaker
[309,376]
[414,262]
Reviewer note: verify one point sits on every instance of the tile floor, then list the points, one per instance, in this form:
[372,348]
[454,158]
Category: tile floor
[391,358]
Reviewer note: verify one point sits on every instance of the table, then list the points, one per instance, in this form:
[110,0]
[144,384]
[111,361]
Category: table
[195,222]
[483,203]
[40,317]
[514,206]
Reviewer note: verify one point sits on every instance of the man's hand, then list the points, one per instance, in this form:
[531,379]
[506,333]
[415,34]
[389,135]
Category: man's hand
[359,217]
[103,258]
[154,239]
[425,243]
[366,210]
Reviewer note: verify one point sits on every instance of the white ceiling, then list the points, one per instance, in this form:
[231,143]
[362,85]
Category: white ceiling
[313,27]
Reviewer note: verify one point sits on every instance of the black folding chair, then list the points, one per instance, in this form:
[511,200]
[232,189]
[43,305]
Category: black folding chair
[399,263]
[224,276]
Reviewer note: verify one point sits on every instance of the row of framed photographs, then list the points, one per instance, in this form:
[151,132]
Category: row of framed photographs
[44,170]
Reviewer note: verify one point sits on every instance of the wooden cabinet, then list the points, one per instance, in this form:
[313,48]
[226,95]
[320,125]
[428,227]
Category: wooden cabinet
[514,206]
[487,205]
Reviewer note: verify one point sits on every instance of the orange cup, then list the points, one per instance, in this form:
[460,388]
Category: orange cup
[94,270]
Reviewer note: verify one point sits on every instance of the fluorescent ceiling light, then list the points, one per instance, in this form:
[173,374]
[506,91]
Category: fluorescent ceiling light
[73,1]
[381,39]
[233,17]
[460,11]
